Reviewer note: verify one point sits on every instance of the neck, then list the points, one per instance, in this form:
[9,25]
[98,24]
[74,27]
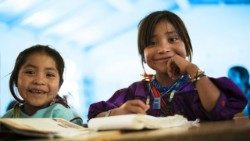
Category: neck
[164,79]
[30,109]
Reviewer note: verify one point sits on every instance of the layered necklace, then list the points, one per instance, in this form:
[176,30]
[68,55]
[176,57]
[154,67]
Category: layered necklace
[163,95]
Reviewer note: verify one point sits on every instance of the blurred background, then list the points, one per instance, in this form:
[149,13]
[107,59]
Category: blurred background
[98,40]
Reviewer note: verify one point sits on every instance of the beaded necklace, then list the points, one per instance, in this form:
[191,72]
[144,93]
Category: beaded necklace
[161,93]
[166,89]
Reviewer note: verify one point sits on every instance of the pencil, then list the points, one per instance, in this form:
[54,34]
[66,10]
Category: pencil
[149,91]
[148,100]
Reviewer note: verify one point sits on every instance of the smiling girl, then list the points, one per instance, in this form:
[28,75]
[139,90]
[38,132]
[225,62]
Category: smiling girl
[179,86]
[38,76]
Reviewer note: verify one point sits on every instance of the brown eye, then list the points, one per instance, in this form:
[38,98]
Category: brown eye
[152,43]
[50,75]
[29,72]
[172,39]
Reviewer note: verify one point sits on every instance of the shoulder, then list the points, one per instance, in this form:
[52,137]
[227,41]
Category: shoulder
[60,111]
[135,88]
[58,108]
[8,114]
[221,80]
[139,85]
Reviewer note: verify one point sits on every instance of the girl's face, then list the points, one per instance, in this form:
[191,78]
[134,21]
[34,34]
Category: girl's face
[164,44]
[38,80]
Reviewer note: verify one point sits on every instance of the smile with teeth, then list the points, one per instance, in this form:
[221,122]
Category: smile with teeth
[36,91]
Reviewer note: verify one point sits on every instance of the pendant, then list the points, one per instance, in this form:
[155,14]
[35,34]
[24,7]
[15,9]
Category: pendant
[157,103]
[171,96]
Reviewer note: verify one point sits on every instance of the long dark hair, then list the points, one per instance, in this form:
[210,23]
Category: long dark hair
[22,58]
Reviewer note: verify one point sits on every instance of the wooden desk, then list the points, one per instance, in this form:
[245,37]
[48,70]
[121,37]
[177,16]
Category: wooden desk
[235,130]
[232,130]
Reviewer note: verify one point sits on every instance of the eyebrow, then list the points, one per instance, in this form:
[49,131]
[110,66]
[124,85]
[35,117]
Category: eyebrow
[32,66]
[171,32]
[167,33]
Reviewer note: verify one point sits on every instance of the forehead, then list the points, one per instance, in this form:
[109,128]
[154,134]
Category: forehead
[40,60]
[165,26]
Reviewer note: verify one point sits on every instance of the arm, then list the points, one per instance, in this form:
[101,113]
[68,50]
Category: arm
[211,92]
[135,106]
[101,108]
[230,102]
[207,91]
[124,101]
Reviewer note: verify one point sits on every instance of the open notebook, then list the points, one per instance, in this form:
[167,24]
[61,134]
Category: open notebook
[42,127]
[137,122]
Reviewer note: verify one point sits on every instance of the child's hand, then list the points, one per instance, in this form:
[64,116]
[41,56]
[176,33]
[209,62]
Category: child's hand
[131,107]
[177,66]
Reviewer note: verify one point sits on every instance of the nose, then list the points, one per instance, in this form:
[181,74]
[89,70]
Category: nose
[164,48]
[39,79]
[162,51]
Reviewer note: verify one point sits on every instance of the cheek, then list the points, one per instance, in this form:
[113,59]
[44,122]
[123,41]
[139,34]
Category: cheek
[147,54]
[19,79]
[55,86]
[183,53]
[22,82]
[181,50]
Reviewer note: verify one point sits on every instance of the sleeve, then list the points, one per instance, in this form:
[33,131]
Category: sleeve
[134,91]
[118,98]
[59,111]
[8,114]
[230,102]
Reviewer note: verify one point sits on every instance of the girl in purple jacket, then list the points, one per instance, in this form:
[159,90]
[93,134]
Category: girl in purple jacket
[179,86]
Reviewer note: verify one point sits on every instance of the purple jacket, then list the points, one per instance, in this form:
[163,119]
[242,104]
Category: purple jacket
[185,102]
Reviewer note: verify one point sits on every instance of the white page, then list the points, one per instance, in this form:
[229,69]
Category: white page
[137,122]
[115,122]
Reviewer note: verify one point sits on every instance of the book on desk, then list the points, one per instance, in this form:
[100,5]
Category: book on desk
[138,122]
[57,127]
[41,127]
